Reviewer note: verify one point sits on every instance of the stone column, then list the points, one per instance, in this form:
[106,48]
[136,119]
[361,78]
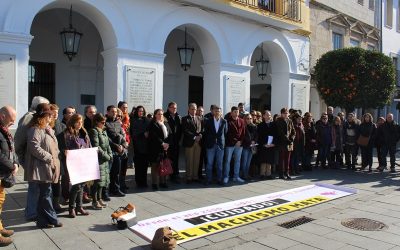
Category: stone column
[16,46]
[117,63]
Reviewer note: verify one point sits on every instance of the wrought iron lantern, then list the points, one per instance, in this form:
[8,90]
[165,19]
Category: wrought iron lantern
[262,65]
[70,39]
[185,54]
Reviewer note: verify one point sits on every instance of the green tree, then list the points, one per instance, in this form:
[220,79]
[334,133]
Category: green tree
[355,78]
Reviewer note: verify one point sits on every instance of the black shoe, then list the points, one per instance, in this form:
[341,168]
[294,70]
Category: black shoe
[288,177]
[281,177]
[392,170]
[163,185]
[176,180]
[269,177]
[154,187]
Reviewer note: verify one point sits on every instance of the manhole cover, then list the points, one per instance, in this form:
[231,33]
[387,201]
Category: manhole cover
[364,224]
[296,222]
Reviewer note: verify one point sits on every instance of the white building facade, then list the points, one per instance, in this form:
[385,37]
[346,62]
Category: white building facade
[128,51]
[390,23]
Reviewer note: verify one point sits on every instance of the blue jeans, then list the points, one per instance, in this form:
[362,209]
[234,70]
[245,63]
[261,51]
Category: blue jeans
[32,200]
[217,153]
[247,154]
[237,152]
[45,211]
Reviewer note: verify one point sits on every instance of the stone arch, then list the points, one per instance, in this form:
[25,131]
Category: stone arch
[203,28]
[278,48]
[101,13]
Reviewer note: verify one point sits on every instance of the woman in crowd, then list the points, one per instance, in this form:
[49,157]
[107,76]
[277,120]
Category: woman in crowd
[266,135]
[138,131]
[337,142]
[248,145]
[158,143]
[367,130]
[76,137]
[378,142]
[298,145]
[58,128]
[99,139]
[123,106]
[310,140]
[43,164]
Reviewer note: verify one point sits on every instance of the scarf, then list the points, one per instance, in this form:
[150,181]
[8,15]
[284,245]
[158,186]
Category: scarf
[8,137]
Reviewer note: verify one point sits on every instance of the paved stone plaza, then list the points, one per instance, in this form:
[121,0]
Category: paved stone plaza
[378,198]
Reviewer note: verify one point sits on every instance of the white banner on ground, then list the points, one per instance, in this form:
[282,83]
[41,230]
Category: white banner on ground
[204,221]
[83,165]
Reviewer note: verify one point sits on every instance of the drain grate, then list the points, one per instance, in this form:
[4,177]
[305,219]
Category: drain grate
[296,222]
[364,224]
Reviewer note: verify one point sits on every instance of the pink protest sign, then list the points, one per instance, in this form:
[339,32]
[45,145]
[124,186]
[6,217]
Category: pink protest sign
[83,165]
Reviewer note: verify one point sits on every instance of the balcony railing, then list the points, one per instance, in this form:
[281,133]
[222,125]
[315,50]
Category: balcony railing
[290,9]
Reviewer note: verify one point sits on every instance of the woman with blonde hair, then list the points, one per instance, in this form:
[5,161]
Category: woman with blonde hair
[42,164]
[76,137]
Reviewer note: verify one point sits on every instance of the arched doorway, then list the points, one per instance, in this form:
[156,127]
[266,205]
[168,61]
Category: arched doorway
[260,89]
[182,86]
[79,82]
[198,83]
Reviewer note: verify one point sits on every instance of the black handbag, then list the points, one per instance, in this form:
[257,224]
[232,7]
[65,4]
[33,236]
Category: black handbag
[8,181]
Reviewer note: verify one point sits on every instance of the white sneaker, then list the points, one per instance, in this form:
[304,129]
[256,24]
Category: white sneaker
[238,180]
[226,179]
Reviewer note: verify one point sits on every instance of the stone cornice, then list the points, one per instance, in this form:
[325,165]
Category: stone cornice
[15,38]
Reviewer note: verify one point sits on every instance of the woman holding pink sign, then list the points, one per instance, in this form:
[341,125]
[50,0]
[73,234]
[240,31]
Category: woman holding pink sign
[76,137]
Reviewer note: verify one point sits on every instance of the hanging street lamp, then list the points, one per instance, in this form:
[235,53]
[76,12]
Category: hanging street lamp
[185,54]
[70,39]
[262,65]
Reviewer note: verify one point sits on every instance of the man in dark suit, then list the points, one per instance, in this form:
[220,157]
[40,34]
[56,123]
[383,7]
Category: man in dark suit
[215,130]
[175,123]
[192,134]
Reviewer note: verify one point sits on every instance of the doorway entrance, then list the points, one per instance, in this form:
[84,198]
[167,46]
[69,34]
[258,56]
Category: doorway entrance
[42,80]
[196,90]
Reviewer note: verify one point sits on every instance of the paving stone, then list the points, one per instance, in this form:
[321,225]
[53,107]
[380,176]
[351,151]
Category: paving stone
[193,244]
[221,236]
[251,245]
[276,241]
[315,229]
[302,247]
[359,241]
[350,247]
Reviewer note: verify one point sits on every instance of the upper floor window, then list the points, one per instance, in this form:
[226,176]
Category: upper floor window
[389,13]
[354,43]
[361,2]
[337,40]
[371,4]
[371,47]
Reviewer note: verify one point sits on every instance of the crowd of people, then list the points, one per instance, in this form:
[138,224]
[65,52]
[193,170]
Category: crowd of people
[237,147]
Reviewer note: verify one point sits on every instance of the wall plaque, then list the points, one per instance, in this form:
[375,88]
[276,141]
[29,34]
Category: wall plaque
[140,87]
[235,91]
[7,80]
[299,95]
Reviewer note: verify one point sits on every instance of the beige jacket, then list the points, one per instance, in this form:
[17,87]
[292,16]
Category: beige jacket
[42,163]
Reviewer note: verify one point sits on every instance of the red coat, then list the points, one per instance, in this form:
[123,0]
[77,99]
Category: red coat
[236,131]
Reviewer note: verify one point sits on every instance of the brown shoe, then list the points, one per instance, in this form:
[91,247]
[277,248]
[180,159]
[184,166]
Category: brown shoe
[102,203]
[86,198]
[6,233]
[72,213]
[80,210]
[5,241]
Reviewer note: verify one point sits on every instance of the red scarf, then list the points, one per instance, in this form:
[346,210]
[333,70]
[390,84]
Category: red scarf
[8,137]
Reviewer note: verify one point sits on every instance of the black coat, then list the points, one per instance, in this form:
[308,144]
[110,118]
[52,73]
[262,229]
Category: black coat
[137,129]
[156,139]
[388,133]
[7,158]
[116,134]
[250,135]
[191,128]
[175,125]
[266,155]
